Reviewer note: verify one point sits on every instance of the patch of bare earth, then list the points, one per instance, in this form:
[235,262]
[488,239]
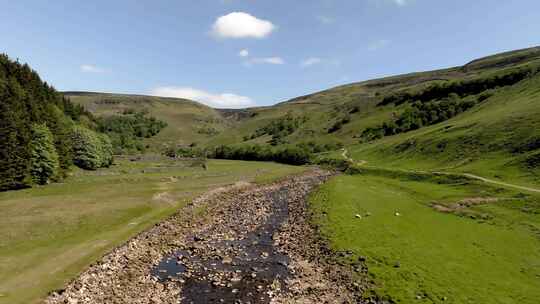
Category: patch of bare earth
[254,244]
[463,204]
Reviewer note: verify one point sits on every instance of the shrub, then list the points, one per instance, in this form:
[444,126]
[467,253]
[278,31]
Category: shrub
[293,155]
[314,147]
[340,164]
[90,149]
[336,127]
[339,124]
[106,150]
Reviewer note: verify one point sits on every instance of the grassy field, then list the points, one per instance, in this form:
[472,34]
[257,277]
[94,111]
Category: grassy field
[49,234]
[488,252]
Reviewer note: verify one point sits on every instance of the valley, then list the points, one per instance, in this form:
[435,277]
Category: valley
[416,188]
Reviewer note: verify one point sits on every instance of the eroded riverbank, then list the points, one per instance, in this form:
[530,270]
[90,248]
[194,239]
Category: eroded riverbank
[241,244]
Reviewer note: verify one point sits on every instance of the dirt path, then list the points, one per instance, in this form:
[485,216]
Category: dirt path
[486,180]
[242,244]
[345,155]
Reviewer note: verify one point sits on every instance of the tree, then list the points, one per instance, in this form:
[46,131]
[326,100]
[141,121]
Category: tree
[14,135]
[26,101]
[106,150]
[60,125]
[86,148]
[43,158]
[126,131]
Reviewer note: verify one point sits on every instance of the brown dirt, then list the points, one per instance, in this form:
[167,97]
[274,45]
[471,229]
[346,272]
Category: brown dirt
[463,204]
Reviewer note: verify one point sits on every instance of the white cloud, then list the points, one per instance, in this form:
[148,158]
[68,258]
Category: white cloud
[269,60]
[244,53]
[378,44]
[265,60]
[89,68]
[400,2]
[310,61]
[325,19]
[241,25]
[223,100]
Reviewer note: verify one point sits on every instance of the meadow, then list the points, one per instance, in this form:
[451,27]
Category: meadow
[51,233]
[435,239]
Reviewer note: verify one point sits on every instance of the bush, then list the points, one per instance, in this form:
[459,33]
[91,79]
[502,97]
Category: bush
[335,127]
[106,150]
[187,152]
[340,164]
[339,124]
[44,158]
[314,147]
[90,149]
[292,155]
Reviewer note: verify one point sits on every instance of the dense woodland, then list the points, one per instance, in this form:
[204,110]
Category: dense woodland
[340,123]
[299,154]
[463,88]
[40,130]
[440,102]
[420,114]
[279,129]
[127,130]
[292,155]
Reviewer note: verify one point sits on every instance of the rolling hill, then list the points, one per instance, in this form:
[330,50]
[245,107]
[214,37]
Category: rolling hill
[359,100]
[497,131]
[188,121]
[420,231]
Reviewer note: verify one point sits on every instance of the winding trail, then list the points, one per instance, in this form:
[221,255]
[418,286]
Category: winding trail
[486,180]
[241,244]
[345,155]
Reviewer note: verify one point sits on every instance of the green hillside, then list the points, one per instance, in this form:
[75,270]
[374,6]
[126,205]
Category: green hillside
[441,192]
[500,138]
[187,121]
[358,101]
[497,131]
[486,118]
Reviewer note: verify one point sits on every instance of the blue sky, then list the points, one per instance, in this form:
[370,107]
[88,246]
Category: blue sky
[235,53]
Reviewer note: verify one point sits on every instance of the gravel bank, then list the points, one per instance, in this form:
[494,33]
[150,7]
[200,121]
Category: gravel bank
[239,244]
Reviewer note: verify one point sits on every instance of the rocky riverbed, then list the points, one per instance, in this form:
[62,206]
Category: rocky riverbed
[239,244]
